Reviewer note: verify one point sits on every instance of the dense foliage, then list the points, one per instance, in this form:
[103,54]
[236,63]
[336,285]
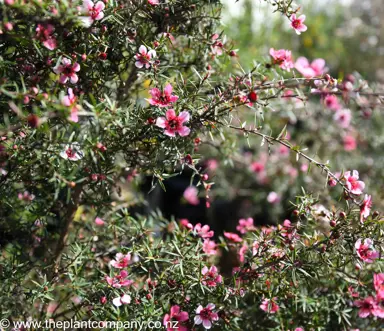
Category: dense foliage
[96,98]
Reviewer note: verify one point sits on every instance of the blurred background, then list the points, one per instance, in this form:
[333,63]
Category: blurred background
[348,34]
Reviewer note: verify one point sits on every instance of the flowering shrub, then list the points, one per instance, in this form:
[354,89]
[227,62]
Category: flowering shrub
[94,95]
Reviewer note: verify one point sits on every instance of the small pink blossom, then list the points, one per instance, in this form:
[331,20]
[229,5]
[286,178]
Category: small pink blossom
[331,101]
[298,23]
[245,225]
[368,306]
[203,231]
[269,306]
[209,247]
[70,101]
[176,315]
[378,282]
[67,71]
[120,280]
[349,143]
[154,2]
[99,221]
[206,316]
[273,197]
[123,300]
[185,223]
[121,261]
[233,237]
[353,184]
[365,207]
[310,70]
[93,12]
[282,57]
[366,251]
[211,277]
[162,99]
[190,194]
[44,34]
[174,124]
[26,196]
[343,118]
[72,152]
[243,249]
[144,58]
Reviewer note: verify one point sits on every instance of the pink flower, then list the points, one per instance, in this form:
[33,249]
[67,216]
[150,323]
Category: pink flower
[297,23]
[190,194]
[72,152]
[282,57]
[210,276]
[123,300]
[93,12]
[243,249]
[206,316]
[162,99]
[121,261]
[353,184]
[343,117]
[185,223]
[67,70]
[349,143]
[269,306]
[332,102]
[26,196]
[99,221]
[233,237]
[203,231]
[378,282]
[70,101]
[273,197]
[310,70]
[365,207]
[367,307]
[257,167]
[144,57]
[176,315]
[209,247]
[174,124]
[120,280]
[245,225]
[155,3]
[44,34]
[366,251]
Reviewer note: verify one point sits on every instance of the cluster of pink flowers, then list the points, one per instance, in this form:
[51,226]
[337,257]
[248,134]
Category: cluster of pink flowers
[44,33]
[245,225]
[283,58]
[270,306]
[373,305]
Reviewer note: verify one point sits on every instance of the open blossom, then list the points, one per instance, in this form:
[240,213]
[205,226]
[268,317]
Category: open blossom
[343,118]
[72,152]
[349,143]
[245,225]
[282,57]
[190,194]
[206,316]
[173,123]
[176,315]
[210,276]
[121,261]
[67,71]
[144,57]
[203,231]
[44,34]
[209,247]
[331,101]
[120,280]
[366,251]
[93,12]
[298,23]
[269,306]
[162,99]
[123,300]
[310,70]
[273,197]
[233,237]
[70,101]
[368,306]
[365,207]
[243,249]
[353,184]
[378,282]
